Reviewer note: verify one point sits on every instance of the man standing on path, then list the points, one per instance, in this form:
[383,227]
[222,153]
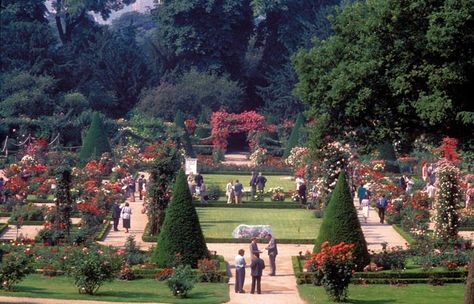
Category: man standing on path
[116,211]
[272,253]
[254,246]
[261,181]
[240,272]
[253,183]
[361,191]
[141,186]
[256,269]
[382,204]
[238,191]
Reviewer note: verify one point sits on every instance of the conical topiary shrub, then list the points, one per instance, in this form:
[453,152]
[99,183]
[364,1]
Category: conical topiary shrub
[387,153]
[294,138]
[181,232]
[340,223]
[95,142]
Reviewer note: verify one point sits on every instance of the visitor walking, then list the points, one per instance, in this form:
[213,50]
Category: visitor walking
[229,192]
[256,268]
[238,191]
[131,188]
[261,181]
[410,183]
[254,246]
[116,212]
[272,253]
[198,179]
[361,191]
[431,192]
[240,272]
[382,205]
[191,183]
[1,189]
[126,214]
[141,186]
[253,183]
[365,207]
[402,183]
[302,194]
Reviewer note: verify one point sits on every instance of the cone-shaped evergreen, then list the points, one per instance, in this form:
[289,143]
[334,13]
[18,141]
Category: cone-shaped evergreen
[181,232]
[340,223]
[179,120]
[387,153]
[96,142]
[294,138]
[202,132]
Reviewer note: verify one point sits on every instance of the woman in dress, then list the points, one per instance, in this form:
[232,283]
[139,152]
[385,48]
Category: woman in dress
[126,215]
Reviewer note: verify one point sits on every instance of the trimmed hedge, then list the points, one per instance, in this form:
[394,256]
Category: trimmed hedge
[406,235]
[95,142]
[30,198]
[99,236]
[27,223]
[262,205]
[5,214]
[384,276]
[238,170]
[181,231]
[3,227]
[341,224]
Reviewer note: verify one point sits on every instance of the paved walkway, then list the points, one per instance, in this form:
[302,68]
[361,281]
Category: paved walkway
[138,223]
[375,233]
[279,289]
[239,159]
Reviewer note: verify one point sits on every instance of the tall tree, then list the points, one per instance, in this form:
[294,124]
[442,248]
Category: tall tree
[68,15]
[392,70]
[206,34]
[95,142]
[26,37]
[181,233]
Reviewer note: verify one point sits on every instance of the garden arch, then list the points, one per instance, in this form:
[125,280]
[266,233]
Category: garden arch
[223,124]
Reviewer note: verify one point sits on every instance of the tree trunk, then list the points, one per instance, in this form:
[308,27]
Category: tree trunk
[469,293]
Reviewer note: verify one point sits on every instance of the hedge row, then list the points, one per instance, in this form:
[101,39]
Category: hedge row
[102,230]
[384,277]
[3,227]
[35,199]
[5,214]
[263,205]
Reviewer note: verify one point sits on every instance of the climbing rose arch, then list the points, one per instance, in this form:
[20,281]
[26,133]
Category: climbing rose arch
[224,123]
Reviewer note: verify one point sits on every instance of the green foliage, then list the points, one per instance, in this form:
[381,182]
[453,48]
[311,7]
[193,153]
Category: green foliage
[209,35]
[26,37]
[64,201]
[181,233]
[132,254]
[91,267]
[387,153]
[191,93]
[294,139]
[15,264]
[96,142]
[27,213]
[340,223]
[201,130]
[179,120]
[163,172]
[393,69]
[181,281]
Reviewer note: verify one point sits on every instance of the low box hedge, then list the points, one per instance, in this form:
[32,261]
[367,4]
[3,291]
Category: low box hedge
[27,223]
[30,198]
[99,236]
[3,227]
[5,214]
[384,276]
[255,204]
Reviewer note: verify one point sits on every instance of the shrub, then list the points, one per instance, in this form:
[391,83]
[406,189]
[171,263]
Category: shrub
[334,266]
[15,264]
[181,281]
[164,274]
[387,153]
[95,142]
[340,224]
[28,213]
[181,232]
[91,267]
[209,270]
[126,273]
[395,258]
[214,192]
[132,254]
[294,138]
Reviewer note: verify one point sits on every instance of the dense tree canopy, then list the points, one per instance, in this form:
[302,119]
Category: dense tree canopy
[205,34]
[392,70]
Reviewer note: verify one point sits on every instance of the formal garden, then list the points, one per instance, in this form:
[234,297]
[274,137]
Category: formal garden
[144,143]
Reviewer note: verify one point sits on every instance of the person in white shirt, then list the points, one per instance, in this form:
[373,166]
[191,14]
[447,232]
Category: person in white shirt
[365,207]
[240,272]
[229,192]
[431,192]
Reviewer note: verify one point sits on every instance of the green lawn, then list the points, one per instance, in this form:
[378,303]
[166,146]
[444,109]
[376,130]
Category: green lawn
[272,180]
[36,286]
[286,223]
[371,294]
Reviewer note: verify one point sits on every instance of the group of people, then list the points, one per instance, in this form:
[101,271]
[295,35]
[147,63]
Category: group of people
[256,266]
[234,189]
[198,187]
[124,211]
[364,195]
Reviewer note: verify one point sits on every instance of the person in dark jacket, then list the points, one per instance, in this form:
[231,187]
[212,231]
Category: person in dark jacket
[261,181]
[272,253]
[256,269]
[116,210]
[198,179]
[253,183]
